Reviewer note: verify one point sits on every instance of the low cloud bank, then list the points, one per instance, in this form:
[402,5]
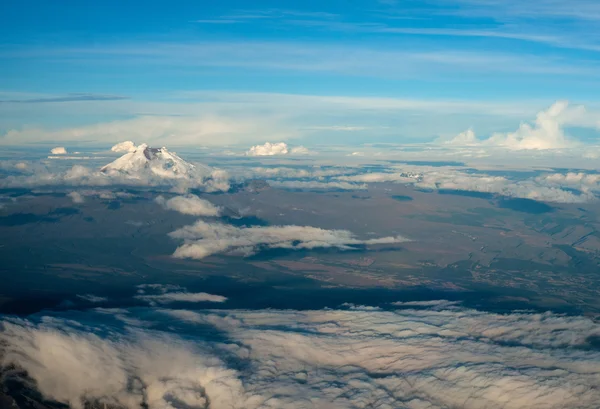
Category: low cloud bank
[422,355]
[165,294]
[203,239]
[181,297]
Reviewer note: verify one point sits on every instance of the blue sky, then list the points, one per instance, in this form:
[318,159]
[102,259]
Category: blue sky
[78,63]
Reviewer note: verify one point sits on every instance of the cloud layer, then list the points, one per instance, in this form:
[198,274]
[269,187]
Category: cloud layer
[203,239]
[421,355]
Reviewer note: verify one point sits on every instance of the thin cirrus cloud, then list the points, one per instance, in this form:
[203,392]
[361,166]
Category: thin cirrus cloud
[418,354]
[77,97]
[390,18]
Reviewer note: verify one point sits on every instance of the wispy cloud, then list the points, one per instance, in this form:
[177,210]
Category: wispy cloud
[327,56]
[67,98]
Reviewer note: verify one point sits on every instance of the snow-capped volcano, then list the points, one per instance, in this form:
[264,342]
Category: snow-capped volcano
[156,161]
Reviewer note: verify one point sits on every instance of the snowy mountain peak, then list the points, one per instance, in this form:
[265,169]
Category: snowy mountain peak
[158,161]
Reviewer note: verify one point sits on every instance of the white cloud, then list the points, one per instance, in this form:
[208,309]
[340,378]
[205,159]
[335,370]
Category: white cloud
[354,358]
[527,189]
[21,166]
[58,151]
[190,204]
[132,169]
[548,188]
[268,149]
[76,197]
[127,146]
[466,138]
[546,133]
[181,297]
[204,239]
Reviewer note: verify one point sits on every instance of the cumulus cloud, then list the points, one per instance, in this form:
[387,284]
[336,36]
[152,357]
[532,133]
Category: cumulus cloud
[203,239]
[585,182]
[76,197]
[58,151]
[268,149]
[466,138]
[545,133]
[410,358]
[127,146]
[189,204]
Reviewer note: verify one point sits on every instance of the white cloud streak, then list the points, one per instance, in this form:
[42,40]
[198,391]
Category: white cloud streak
[181,297]
[203,239]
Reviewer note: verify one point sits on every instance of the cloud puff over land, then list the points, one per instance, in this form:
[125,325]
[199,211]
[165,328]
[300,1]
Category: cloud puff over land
[58,151]
[203,239]
[190,204]
[428,355]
